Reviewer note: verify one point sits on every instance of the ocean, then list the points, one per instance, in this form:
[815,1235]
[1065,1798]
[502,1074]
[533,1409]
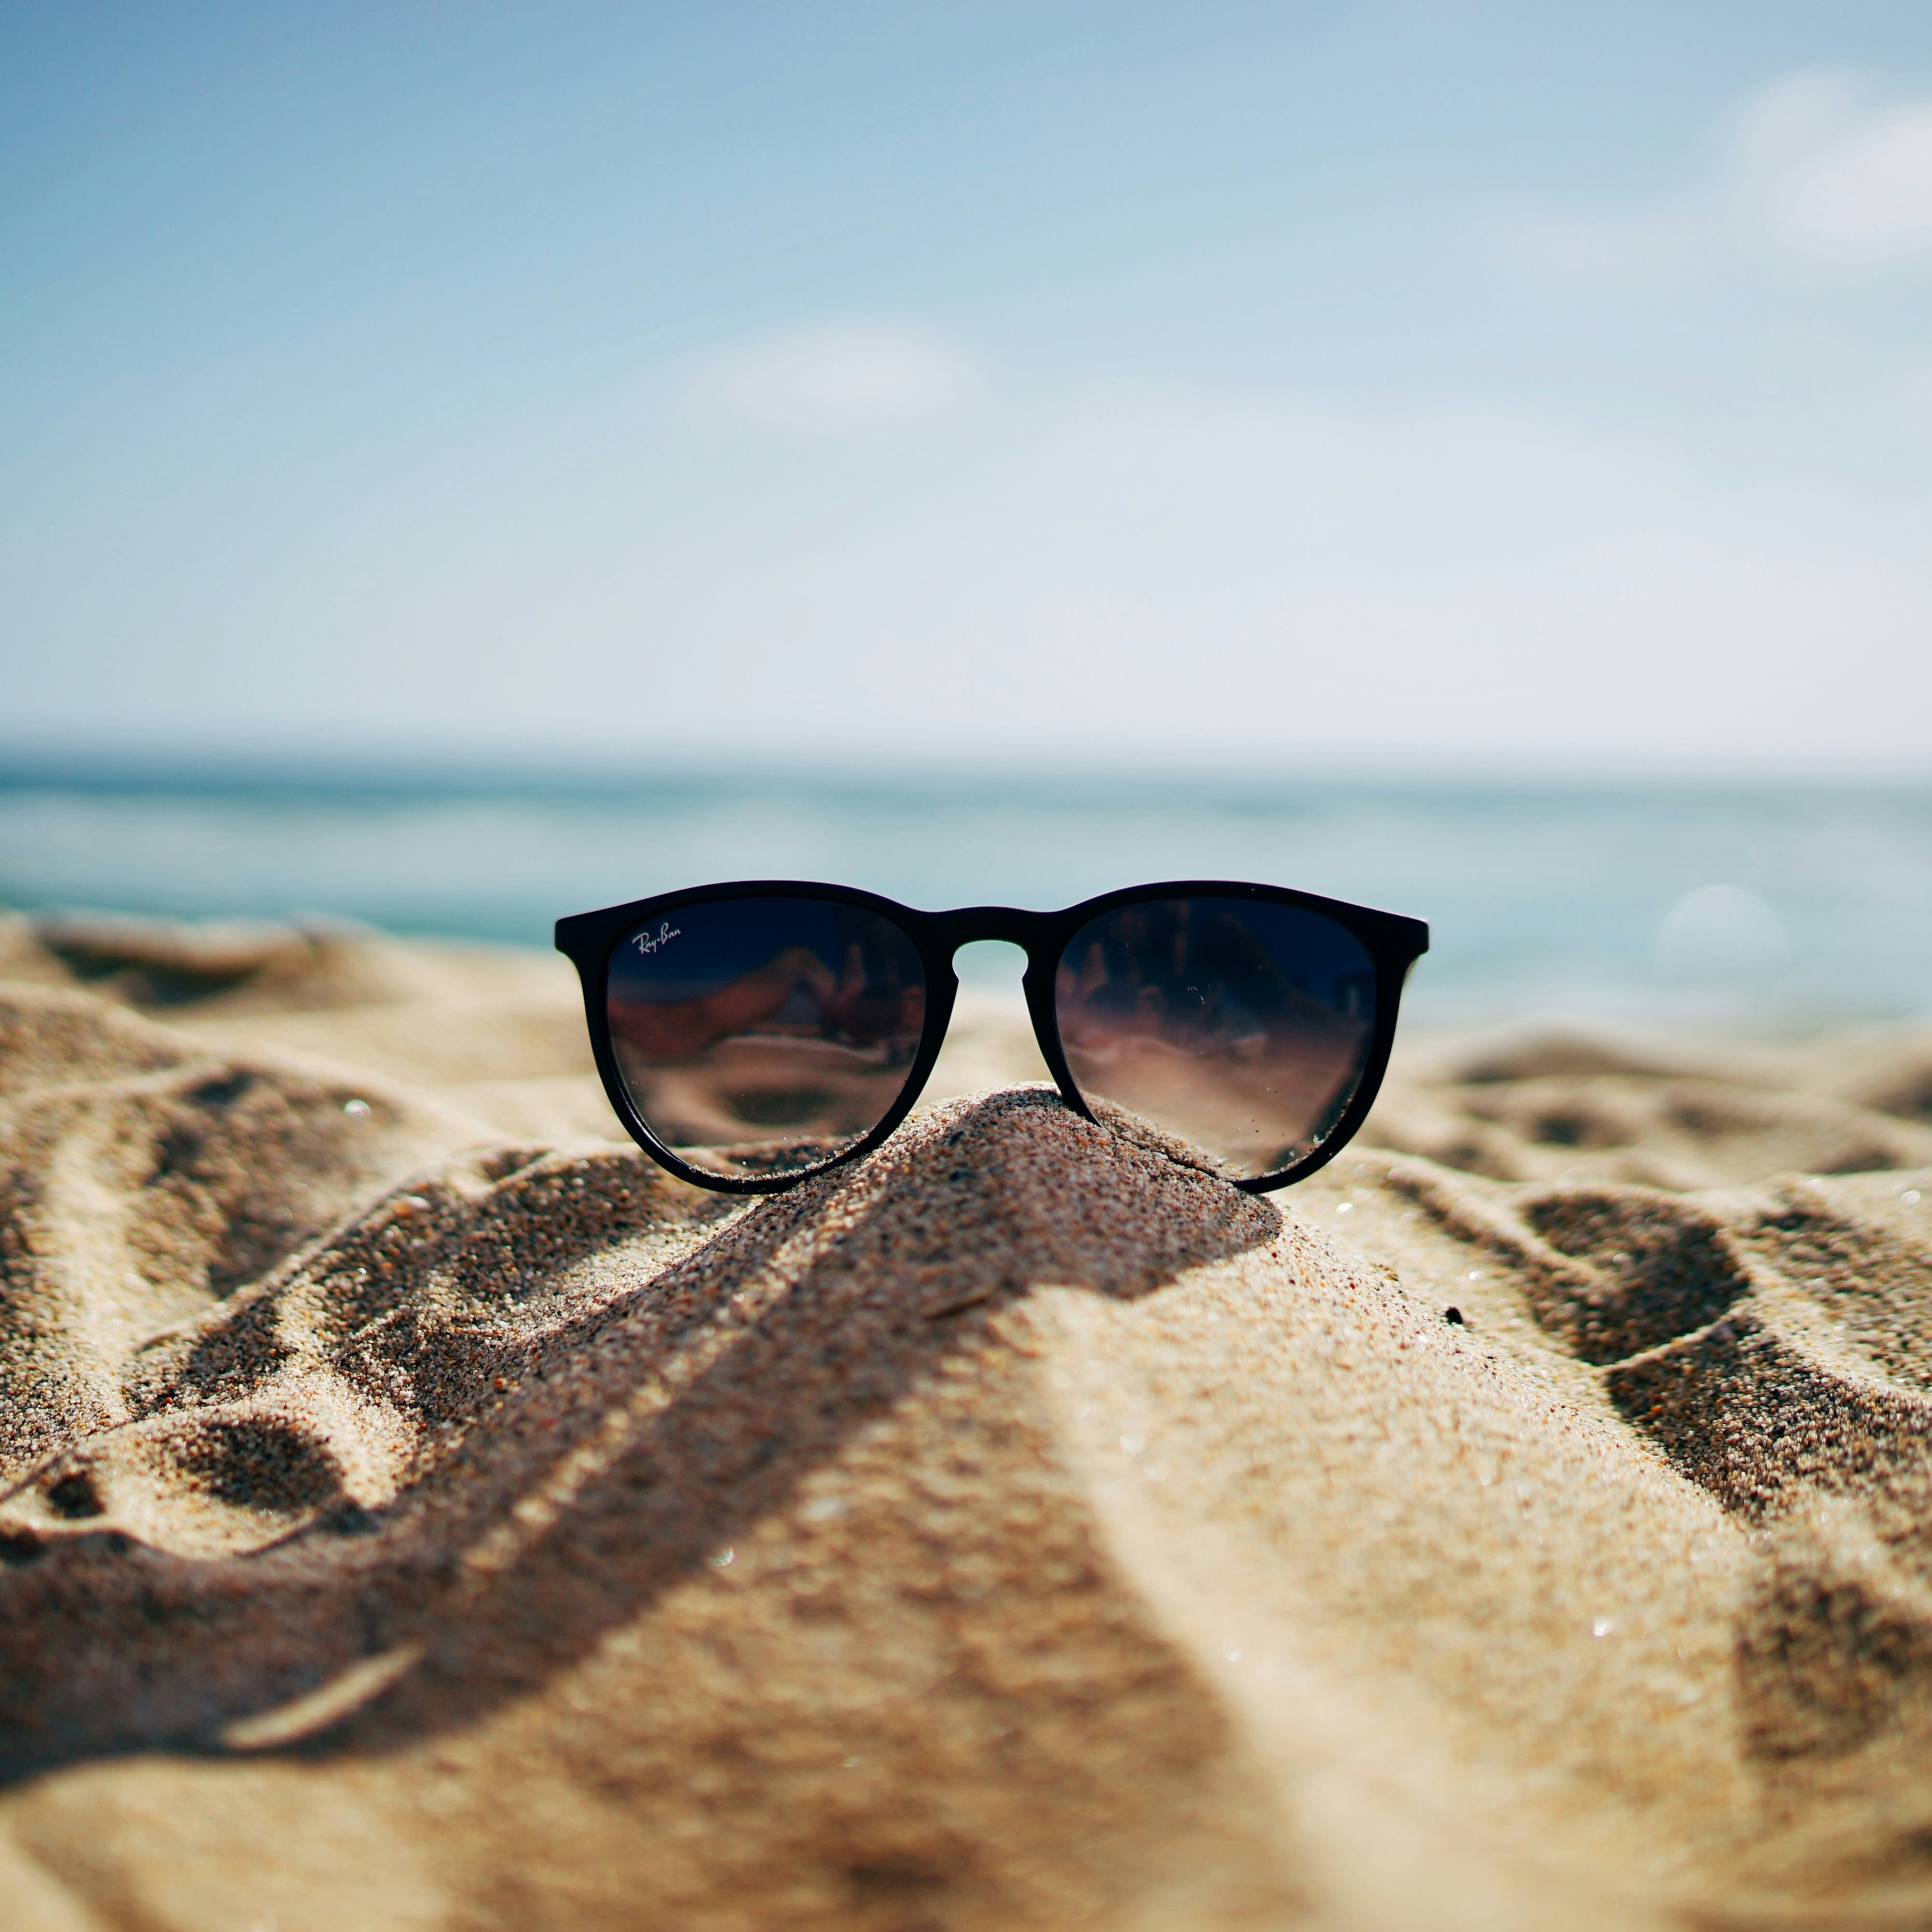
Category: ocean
[1754,909]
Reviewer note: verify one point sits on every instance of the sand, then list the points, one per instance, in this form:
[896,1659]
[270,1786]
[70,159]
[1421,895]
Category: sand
[420,1512]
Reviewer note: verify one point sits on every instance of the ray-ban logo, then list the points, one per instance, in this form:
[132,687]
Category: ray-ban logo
[649,942]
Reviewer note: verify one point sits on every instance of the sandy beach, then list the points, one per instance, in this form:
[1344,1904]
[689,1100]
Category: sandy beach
[419,1512]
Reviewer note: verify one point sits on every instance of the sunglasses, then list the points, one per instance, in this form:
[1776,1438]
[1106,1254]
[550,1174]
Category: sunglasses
[751,1036]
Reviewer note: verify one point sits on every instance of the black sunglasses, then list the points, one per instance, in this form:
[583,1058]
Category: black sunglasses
[750,1035]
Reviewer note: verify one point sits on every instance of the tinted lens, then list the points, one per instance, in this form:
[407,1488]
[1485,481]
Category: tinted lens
[1240,1027]
[765,1035]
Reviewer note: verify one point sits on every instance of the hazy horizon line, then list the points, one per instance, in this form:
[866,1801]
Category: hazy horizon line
[401,769]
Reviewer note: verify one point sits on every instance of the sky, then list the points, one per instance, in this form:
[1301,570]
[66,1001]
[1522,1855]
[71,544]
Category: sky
[1475,387]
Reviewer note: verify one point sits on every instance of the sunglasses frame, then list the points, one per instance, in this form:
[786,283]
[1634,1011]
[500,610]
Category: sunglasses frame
[589,939]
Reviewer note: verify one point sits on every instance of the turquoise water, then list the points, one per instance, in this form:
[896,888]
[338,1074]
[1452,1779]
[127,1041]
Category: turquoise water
[1758,908]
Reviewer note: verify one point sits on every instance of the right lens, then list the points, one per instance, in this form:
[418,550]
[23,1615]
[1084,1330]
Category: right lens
[1243,1026]
[765,1035]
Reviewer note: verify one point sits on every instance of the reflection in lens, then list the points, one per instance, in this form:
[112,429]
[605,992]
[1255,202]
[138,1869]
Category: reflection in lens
[1239,1026]
[764,1035]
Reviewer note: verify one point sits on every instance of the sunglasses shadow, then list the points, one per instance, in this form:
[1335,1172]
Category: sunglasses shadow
[636,1440]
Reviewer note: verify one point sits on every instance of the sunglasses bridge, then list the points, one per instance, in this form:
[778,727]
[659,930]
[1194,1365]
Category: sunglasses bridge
[1033,932]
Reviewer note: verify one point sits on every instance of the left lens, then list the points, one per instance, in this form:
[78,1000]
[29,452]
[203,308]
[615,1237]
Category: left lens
[1241,1026]
[765,1035]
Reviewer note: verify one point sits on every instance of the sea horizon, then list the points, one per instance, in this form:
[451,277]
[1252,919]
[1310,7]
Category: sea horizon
[1741,904]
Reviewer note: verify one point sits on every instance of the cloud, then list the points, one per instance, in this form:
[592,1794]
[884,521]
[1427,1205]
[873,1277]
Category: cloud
[1814,171]
[859,374]
[1863,197]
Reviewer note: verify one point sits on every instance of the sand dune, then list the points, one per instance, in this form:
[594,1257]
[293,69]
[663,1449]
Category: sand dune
[416,1510]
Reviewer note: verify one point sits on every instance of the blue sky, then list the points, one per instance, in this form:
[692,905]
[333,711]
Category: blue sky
[1474,386]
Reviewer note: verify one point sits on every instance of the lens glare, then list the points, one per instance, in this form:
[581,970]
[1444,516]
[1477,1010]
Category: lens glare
[1239,1026]
[765,1035]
